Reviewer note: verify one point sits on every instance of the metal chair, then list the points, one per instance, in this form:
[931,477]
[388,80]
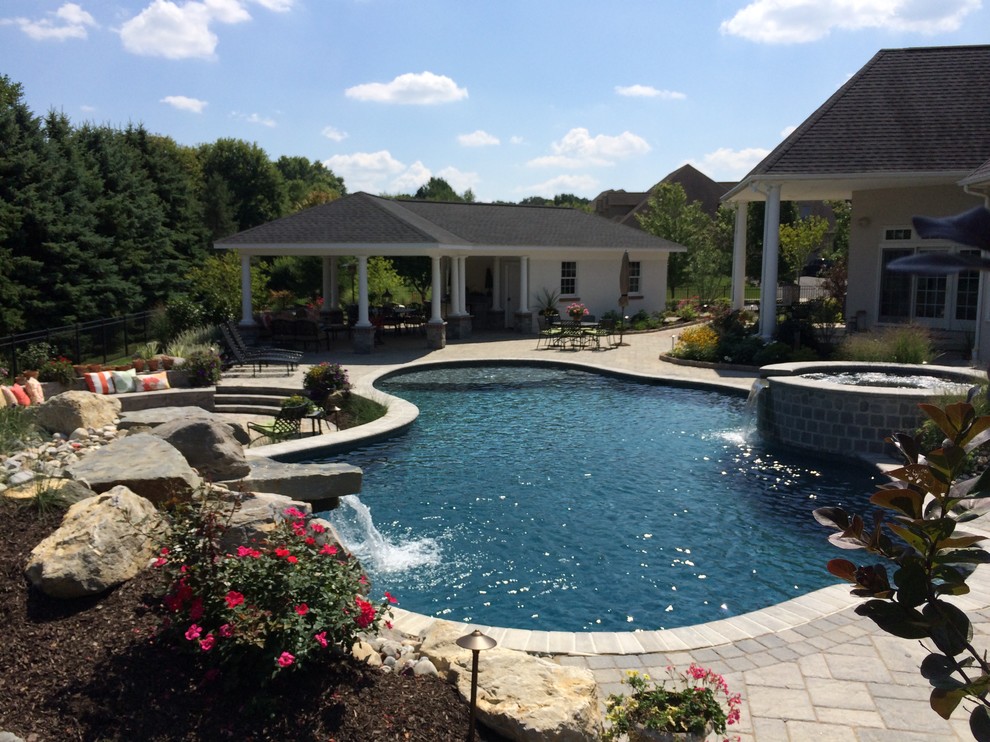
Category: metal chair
[287,424]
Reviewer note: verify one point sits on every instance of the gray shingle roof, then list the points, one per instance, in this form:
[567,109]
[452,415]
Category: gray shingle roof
[907,110]
[366,220]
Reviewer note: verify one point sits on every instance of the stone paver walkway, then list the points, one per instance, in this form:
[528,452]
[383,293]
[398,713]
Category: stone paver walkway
[808,669]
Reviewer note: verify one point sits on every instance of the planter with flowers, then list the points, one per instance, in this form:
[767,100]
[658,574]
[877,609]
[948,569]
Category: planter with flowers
[577,311]
[689,709]
[325,382]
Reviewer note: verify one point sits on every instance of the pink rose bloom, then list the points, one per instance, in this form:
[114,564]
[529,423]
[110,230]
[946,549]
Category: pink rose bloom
[390,598]
[193,632]
[291,559]
[317,528]
[226,631]
[294,513]
[302,609]
[207,642]
[321,638]
[328,549]
[281,552]
[285,659]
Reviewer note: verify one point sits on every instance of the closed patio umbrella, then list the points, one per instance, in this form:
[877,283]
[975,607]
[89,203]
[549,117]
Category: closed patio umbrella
[623,292]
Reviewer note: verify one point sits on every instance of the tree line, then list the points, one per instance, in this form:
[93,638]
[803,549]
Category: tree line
[98,221]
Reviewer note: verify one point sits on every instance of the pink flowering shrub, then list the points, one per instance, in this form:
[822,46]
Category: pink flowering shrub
[266,607]
[697,701]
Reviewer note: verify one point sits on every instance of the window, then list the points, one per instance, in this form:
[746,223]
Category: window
[634,274]
[946,302]
[568,277]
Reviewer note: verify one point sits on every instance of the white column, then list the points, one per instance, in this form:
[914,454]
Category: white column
[247,317]
[497,283]
[739,257]
[455,282]
[363,320]
[462,283]
[436,292]
[771,252]
[524,284]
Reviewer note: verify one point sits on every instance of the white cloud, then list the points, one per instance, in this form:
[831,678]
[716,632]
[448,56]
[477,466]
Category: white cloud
[165,29]
[648,91]
[459,181]
[184,103]
[576,184]
[478,138]
[787,131]
[333,134]
[68,22]
[516,140]
[255,118]
[279,6]
[410,179]
[578,149]
[366,171]
[801,21]
[424,88]
[730,164]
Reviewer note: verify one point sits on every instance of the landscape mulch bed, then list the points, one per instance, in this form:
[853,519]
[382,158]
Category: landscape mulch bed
[87,669]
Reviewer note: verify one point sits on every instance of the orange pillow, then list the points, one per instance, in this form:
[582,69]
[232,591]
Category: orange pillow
[154,382]
[20,395]
[100,382]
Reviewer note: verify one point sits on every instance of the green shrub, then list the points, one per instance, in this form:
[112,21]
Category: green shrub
[356,410]
[698,343]
[774,352]
[34,356]
[203,368]
[741,350]
[902,344]
[57,369]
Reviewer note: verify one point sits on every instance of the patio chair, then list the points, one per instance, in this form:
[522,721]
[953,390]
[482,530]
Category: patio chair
[233,335]
[550,332]
[604,330]
[286,425]
[255,357]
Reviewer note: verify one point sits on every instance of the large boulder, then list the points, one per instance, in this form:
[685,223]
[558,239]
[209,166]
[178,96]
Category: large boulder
[103,541]
[520,696]
[145,463]
[155,416]
[68,411]
[318,484]
[209,447]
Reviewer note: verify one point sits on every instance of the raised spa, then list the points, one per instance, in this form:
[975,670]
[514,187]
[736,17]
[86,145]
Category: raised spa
[847,408]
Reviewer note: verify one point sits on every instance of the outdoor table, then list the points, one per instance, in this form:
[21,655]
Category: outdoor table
[316,418]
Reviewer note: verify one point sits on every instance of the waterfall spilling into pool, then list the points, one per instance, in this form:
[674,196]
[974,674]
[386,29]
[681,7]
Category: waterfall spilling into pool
[543,498]
[375,551]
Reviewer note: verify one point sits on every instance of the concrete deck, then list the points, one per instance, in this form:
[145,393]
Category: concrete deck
[807,669]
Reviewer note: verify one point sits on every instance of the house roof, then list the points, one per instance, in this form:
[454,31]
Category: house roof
[622,206]
[918,113]
[364,224]
[978,178]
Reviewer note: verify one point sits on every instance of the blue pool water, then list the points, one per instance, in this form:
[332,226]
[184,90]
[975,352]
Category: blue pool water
[552,499]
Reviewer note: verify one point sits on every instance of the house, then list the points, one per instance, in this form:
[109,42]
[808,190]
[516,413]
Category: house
[906,135]
[623,206]
[507,254]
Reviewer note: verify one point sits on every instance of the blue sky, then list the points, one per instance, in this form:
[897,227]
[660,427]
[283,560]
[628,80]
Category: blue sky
[507,98]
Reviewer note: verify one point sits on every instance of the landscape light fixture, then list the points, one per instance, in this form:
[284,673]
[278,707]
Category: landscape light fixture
[475,641]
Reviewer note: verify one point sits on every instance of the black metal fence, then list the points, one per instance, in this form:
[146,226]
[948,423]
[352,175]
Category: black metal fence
[95,341]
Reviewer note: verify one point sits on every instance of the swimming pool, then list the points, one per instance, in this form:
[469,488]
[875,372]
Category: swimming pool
[551,499]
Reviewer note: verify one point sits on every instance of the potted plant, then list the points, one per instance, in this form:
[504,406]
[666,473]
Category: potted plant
[59,370]
[577,311]
[547,303]
[689,710]
[325,379]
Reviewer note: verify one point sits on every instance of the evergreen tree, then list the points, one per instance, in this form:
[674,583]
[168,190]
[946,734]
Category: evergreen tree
[256,187]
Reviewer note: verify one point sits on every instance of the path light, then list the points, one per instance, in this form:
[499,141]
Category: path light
[475,641]
[387,297]
[673,341]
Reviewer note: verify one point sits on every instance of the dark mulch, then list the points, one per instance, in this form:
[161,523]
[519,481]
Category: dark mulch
[88,670]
